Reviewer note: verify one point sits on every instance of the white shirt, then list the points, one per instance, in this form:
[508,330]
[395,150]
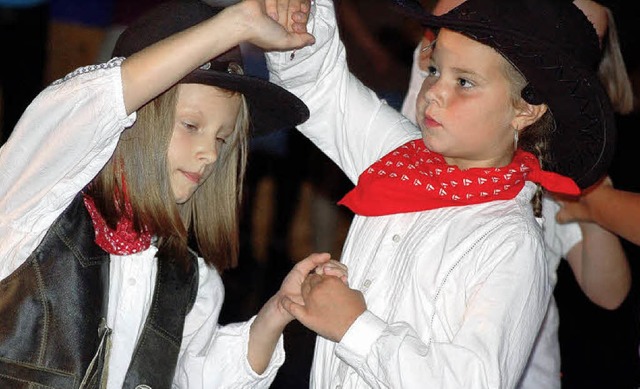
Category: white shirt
[543,368]
[455,295]
[62,141]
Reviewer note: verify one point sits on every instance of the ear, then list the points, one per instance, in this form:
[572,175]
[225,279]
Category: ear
[528,114]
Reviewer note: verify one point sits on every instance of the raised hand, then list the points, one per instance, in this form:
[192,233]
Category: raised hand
[274,33]
[291,14]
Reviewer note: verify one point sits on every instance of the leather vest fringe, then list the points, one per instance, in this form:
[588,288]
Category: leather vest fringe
[53,312]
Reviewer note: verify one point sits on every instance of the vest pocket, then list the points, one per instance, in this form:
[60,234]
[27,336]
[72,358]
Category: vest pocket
[18,375]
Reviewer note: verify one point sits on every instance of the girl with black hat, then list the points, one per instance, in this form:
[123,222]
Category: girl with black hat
[594,253]
[108,178]
[445,253]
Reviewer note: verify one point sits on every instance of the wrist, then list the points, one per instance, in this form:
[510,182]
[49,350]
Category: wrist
[272,318]
[242,16]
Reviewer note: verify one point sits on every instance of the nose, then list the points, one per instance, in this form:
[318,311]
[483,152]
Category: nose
[208,151]
[433,90]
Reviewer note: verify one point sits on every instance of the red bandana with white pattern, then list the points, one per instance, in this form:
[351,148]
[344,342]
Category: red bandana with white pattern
[412,178]
[124,240]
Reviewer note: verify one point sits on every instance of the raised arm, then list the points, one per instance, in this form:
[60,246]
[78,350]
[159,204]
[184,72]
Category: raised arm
[153,70]
[348,121]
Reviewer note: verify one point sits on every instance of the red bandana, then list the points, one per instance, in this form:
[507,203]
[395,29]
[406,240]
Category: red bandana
[412,178]
[124,240]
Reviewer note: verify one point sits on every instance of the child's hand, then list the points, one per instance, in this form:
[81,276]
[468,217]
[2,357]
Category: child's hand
[291,14]
[579,210]
[329,308]
[283,28]
[334,268]
[291,287]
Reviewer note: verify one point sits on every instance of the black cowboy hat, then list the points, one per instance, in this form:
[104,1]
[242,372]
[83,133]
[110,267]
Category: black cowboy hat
[271,107]
[556,48]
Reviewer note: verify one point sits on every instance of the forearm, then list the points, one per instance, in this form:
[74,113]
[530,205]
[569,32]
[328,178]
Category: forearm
[264,334]
[154,69]
[348,121]
[618,211]
[600,266]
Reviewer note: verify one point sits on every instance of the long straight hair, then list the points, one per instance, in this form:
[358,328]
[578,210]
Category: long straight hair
[137,173]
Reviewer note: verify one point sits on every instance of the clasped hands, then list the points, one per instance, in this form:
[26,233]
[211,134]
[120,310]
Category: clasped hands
[316,293]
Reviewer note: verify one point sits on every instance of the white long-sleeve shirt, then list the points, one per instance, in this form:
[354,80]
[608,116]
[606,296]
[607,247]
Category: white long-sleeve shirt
[456,295]
[543,368]
[62,141]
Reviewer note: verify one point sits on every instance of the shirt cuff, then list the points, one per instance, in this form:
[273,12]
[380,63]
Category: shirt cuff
[359,338]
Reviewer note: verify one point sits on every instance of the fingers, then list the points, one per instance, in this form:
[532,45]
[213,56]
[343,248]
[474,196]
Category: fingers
[312,261]
[334,268]
[291,14]
[271,8]
[296,310]
[309,283]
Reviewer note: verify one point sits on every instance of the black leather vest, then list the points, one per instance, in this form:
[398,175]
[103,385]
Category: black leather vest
[53,310]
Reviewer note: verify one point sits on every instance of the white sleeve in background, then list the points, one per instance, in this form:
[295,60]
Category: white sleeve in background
[559,238]
[215,356]
[348,121]
[415,83]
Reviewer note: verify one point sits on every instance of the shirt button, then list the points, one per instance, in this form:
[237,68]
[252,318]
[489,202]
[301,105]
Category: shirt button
[367,283]
[132,281]
[396,238]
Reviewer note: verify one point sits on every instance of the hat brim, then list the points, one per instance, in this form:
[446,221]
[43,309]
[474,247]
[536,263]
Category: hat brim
[271,107]
[583,143]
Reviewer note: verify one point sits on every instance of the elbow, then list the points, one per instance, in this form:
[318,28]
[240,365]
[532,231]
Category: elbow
[613,297]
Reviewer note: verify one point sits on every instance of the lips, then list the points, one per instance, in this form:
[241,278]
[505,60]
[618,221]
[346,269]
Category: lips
[193,177]
[430,122]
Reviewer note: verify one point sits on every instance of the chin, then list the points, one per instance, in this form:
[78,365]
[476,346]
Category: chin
[182,198]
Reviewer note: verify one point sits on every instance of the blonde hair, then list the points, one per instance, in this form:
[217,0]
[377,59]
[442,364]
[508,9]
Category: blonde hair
[612,70]
[138,170]
[535,137]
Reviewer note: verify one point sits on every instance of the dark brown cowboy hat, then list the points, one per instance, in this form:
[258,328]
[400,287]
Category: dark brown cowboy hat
[556,48]
[271,107]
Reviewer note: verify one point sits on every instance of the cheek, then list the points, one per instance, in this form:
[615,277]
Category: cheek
[421,101]
[178,148]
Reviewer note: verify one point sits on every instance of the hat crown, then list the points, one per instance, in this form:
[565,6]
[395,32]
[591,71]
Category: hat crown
[558,25]
[271,107]
[166,19]
[556,48]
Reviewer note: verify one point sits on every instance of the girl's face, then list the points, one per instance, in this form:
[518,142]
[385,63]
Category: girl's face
[464,108]
[205,117]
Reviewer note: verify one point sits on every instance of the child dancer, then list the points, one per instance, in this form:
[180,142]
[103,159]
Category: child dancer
[105,178]
[594,254]
[445,254]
